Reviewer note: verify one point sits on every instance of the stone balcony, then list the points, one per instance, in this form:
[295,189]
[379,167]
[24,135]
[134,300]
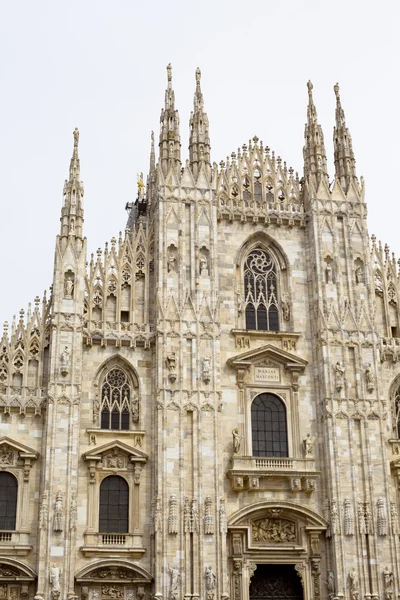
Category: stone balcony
[14,543]
[259,473]
[115,544]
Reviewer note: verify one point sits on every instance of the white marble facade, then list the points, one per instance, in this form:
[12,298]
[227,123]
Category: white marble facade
[145,363]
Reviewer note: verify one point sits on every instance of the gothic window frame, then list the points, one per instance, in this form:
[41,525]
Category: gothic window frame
[261,290]
[102,383]
[395,397]
[286,420]
[261,241]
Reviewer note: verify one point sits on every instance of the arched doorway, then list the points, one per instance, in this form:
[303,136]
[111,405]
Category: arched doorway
[275,582]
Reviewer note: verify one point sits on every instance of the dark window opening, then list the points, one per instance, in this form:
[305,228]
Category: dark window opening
[269,426]
[8,501]
[114,505]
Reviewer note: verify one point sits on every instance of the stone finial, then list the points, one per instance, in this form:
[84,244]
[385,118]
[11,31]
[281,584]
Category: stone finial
[310,88]
[336,90]
[198,76]
[169,72]
[76,137]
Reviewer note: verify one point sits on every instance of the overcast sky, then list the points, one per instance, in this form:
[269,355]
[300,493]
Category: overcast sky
[100,66]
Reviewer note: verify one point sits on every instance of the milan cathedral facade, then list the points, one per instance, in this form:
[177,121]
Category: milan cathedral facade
[208,409]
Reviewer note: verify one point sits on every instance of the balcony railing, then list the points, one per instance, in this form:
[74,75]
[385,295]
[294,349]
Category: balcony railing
[254,473]
[101,544]
[15,543]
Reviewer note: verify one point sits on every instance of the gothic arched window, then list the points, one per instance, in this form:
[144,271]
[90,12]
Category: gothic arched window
[269,426]
[260,290]
[8,501]
[116,400]
[114,505]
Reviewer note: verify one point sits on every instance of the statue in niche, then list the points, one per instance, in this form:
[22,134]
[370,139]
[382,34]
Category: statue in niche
[58,519]
[171,364]
[55,581]
[69,286]
[64,360]
[339,375]
[388,581]
[236,440]
[359,275]
[171,264]
[308,445]
[370,378]
[203,265]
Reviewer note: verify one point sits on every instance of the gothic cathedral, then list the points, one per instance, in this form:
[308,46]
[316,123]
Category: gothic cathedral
[209,408]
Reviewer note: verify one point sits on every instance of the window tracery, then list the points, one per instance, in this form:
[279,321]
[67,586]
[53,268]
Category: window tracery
[396,406]
[261,293]
[116,401]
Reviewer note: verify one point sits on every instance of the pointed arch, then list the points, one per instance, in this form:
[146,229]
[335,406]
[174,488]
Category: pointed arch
[116,404]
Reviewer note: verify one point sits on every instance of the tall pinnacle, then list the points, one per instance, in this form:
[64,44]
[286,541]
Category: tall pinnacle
[199,142]
[72,210]
[170,140]
[314,147]
[345,164]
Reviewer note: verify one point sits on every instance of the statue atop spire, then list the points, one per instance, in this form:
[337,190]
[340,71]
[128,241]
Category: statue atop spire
[345,164]
[199,143]
[72,210]
[314,148]
[170,140]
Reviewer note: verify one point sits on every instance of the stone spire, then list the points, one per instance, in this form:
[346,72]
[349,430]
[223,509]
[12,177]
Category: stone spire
[170,140]
[345,164]
[314,147]
[72,210]
[199,143]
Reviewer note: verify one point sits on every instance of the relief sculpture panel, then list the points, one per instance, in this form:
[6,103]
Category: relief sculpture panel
[273,531]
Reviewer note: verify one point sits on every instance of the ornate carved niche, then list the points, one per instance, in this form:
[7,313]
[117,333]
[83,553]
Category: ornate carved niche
[15,581]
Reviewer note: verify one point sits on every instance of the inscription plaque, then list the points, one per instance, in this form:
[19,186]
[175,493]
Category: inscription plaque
[263,374]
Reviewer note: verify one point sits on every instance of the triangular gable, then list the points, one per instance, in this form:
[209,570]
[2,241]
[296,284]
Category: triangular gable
[24,451]
[96,453]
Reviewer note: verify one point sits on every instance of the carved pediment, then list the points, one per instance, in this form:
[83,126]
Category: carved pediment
[271,357]
[11,451]
[13,570]
[116,455]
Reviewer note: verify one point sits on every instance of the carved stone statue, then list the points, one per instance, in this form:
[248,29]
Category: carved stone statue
[58,519]
[328,273]
[359,275]
[370,378]
[210,582]
[388,581]
[69,287]
[171,264]
[175,577]
[206,369]
[330,584]
[203,265]
[171,364]
[55,581]
[236,440]
[64,360]
[354,591]
[339,375]
[308,444]
[239,303]
[285,306]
